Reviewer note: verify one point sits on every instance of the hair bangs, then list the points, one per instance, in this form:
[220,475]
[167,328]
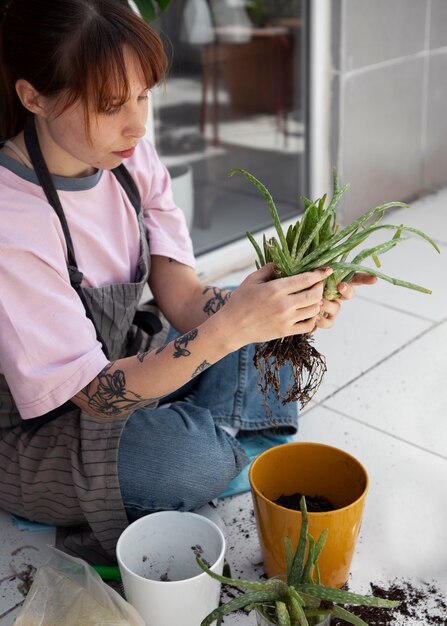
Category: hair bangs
[97,76]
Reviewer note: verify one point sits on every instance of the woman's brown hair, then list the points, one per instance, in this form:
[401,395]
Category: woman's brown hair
[73,49]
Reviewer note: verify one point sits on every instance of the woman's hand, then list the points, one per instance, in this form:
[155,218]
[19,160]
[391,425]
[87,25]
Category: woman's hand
[331,308]
[262,309]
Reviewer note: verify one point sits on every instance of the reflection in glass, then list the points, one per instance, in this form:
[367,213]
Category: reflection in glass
[235,97]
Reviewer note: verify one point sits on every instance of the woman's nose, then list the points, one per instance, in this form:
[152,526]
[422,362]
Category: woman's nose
[136,125]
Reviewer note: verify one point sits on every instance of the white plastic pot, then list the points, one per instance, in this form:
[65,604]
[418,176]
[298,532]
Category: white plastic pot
[157,560]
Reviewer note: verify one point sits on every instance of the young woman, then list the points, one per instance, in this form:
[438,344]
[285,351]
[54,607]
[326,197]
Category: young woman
[102,417]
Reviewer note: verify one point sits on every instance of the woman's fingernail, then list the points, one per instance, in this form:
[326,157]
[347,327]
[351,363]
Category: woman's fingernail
[342,287]
[321,302]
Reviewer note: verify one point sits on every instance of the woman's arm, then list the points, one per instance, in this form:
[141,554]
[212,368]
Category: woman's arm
[185,301]
[261,309]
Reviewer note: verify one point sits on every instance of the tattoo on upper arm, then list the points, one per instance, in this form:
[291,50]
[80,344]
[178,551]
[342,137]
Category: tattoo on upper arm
[181,342]
[217,301]
[111,397]
[201,368]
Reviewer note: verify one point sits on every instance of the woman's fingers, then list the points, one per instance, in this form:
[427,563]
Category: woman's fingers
[363,279]
[303,281]
[329,311]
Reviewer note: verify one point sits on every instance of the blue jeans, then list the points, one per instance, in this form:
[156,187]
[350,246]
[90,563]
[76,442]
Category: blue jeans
[177,457]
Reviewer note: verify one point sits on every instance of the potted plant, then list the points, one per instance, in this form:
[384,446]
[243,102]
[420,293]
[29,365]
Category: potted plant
[300,599]
[148,8]
[280,475]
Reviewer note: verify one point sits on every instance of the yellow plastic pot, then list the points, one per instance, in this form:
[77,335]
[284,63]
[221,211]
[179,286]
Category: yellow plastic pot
[310,469]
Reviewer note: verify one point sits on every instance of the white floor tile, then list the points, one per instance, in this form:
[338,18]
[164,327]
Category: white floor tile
[403,530]
[415,261]
[363,335]
[429,214]
[407,395]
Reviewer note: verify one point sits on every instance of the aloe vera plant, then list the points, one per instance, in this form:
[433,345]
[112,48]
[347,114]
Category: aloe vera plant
[314,241]
[300,599]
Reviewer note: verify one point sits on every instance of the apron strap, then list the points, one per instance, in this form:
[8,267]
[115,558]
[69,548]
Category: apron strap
[46,182]
[128,184]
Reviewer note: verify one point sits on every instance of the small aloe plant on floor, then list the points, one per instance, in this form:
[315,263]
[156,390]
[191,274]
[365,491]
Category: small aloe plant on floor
[301,600]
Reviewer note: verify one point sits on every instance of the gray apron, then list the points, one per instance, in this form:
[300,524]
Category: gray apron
[61,468]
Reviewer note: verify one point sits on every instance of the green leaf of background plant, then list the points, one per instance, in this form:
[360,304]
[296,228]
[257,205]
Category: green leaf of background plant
[147,9]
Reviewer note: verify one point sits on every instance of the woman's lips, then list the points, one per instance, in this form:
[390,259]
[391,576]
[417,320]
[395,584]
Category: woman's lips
[125,154]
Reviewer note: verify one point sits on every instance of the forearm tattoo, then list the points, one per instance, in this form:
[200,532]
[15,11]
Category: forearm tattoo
[180,343]
[201,368]
[110,396]
[219,298]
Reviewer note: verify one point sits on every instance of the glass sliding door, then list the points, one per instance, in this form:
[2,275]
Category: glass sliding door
[235,97]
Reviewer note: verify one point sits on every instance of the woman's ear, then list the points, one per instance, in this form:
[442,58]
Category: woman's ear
[30,97]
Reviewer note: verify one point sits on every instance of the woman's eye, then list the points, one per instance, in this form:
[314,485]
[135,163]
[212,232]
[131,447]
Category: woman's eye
[145,97]
[112,111]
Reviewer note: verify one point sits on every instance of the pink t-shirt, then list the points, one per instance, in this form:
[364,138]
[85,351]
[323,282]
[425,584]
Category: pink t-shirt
[48,347]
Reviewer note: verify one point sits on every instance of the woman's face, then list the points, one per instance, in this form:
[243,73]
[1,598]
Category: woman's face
[70,151]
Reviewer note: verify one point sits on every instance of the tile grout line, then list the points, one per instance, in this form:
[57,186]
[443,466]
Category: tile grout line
[383,360]
[398,310]
[384,432]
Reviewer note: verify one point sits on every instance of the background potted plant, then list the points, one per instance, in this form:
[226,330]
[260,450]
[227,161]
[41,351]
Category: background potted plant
[149,9]
[299,599]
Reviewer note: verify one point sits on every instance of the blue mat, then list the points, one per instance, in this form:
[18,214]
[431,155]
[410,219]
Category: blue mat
[253,446]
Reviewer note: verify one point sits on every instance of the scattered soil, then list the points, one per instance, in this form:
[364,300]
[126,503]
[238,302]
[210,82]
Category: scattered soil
[421,605]
[315,504]
[307,364]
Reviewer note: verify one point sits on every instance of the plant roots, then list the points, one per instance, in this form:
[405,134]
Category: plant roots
[307,364]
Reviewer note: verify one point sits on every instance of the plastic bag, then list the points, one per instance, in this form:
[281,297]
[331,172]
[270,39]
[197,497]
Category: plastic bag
[68,591]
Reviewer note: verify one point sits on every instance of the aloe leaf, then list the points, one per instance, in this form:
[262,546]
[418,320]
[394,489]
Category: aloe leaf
[305,578]
[256,247]
[296,239]
[273,210]
[290,236]
[379,249]
[247,599]
[314,260]
[354,267]
[280,258]
[289,554]
[309,601]
[337,191]
[416,231]
[320,544]
[321,203]
[295,605]
[345,597]
[267,255]
[332,254]
[282,614]
[328,229]
[300,614]
[273,585]
[347,616]
[298,561]
[351,228]
[293,593]
[311,237]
